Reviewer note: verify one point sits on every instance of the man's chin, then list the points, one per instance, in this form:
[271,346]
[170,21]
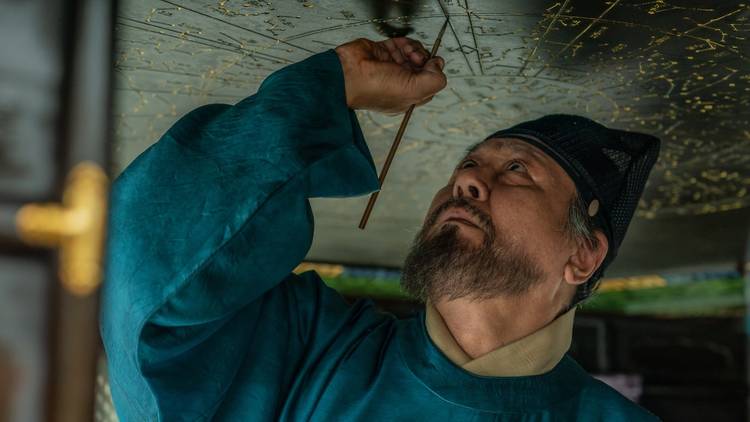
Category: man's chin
[450,261]
[463,236]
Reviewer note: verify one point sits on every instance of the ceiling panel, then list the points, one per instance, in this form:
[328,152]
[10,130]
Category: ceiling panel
[679,70]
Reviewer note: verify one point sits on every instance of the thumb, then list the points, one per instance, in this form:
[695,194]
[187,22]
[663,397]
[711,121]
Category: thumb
[431,78]
[435,64]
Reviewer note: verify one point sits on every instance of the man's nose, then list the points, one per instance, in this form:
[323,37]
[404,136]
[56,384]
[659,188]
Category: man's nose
[468,184]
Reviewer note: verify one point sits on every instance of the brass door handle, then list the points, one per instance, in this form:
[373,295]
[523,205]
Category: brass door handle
[76,227]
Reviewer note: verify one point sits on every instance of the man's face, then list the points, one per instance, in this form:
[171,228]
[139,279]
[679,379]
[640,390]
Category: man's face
[497,227]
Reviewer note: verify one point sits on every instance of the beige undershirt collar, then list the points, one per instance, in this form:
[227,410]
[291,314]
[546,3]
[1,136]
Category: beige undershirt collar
[534,354]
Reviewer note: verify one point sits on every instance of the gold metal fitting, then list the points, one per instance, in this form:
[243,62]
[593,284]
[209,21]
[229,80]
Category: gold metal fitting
[76,227]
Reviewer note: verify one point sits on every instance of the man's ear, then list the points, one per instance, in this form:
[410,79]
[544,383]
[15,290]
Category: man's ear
[585,259]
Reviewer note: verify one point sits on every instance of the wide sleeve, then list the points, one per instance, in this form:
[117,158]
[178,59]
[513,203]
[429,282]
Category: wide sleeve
[209,219]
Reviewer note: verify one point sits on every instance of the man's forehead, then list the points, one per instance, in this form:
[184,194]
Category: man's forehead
[519,146]
[511,144]
[545,170]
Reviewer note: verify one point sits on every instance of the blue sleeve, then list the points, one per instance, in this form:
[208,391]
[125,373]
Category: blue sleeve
[211,218]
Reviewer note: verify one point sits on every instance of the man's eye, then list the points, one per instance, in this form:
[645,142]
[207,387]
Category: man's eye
[467,164]
[516,166]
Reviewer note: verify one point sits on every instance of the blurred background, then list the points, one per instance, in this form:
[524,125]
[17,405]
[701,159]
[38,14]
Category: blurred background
[87,85]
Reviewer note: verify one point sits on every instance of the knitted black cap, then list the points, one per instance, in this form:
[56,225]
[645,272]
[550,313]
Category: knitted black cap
[608,166]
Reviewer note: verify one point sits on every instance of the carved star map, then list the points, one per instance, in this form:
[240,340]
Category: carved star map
[679,70]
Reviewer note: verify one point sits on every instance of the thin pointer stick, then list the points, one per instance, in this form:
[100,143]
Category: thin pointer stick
[396,142]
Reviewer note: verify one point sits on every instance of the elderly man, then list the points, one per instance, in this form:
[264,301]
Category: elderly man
[203,318]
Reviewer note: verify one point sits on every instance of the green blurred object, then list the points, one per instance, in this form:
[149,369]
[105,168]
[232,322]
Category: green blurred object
[376,288]
[723,296]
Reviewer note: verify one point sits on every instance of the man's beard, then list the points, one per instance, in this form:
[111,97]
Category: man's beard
[447,265]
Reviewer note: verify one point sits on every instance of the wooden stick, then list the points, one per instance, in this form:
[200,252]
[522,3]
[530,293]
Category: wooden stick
[396,142]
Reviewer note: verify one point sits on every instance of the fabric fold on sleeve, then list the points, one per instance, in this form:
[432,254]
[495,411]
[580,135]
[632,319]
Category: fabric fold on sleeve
[216,213]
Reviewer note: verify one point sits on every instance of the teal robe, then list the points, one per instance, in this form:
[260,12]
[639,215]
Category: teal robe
[203,318]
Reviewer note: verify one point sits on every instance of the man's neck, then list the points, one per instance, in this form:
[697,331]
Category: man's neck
[480,327]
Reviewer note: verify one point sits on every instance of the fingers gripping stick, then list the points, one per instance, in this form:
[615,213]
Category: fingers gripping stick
[397,141]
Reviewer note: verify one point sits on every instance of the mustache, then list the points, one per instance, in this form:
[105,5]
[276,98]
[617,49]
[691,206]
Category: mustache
[484,219]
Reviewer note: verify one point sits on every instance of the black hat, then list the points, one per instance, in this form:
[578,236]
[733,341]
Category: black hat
[608,166]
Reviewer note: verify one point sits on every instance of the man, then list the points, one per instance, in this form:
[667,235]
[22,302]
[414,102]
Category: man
[203,318]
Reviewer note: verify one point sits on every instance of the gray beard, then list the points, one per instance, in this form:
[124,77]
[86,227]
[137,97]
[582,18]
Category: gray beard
[446,265]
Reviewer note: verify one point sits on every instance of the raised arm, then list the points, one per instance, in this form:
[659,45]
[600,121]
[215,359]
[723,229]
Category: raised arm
[215,215]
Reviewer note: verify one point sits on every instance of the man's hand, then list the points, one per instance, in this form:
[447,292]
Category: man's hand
[389,75]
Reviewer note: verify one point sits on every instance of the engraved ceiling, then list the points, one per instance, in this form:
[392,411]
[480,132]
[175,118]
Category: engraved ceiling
[677,69]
